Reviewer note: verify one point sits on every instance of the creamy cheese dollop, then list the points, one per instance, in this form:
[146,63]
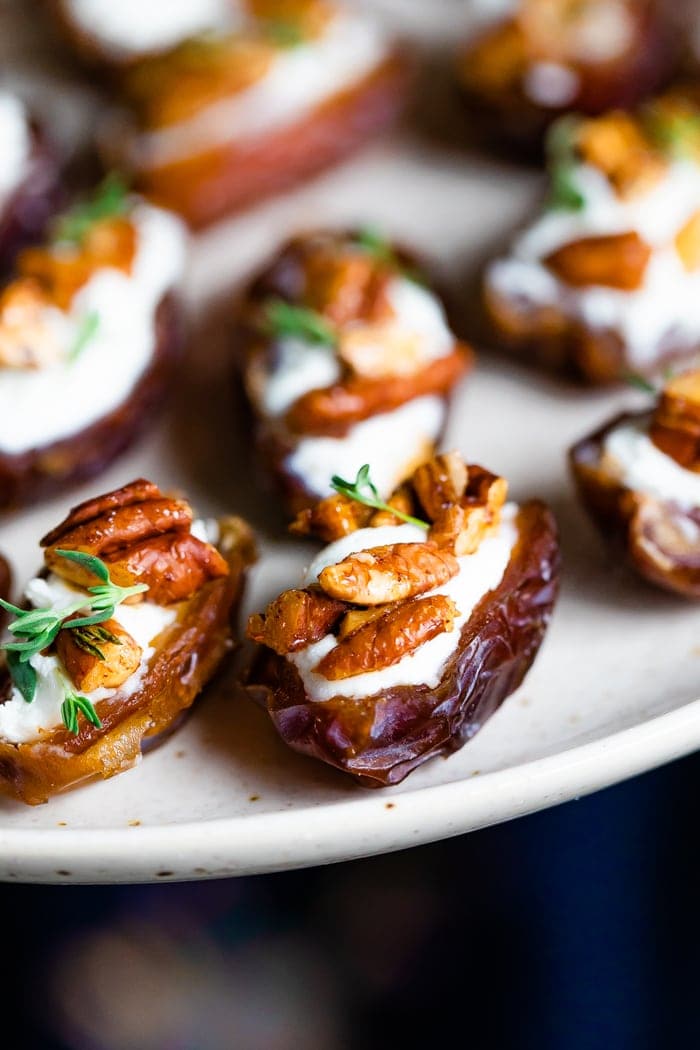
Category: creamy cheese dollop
[666,308]
[38,407]
[21,721]
[15,144]
[643,467]
[479,573]
[136,27]
[299,79]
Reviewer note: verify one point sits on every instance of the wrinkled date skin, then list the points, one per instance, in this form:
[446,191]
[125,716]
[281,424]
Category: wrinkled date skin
[381,739]
[38,473]
[26,213]
[661,540]
[512,119]
[544,336]
[188,653]
[228,178]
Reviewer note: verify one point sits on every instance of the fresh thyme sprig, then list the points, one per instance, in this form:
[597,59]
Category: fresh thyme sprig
[109,200]
[640,383]
[74,705]
[87,330]
[675,132]
[285,319]
[363,490]
[371,240]
[33,630]
[564,194]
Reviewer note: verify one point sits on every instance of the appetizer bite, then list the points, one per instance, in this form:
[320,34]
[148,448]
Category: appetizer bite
[230,117]
[548,57]
[407,633]
[344,350]
[607,280]
[121,630]
[639,479]
[29,178]
[89,333]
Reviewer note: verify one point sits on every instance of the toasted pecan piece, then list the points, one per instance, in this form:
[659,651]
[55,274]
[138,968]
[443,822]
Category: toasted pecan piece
[616,144]
[346,286]
[331,518]
[174,566]
[388,573]
[114,531]
[382,351]
[401,500]
[332,410]
[440,482]
[675,426]
[26,338]
[616,260]
[99,657]
[386,639]
[134,492]
[295,619]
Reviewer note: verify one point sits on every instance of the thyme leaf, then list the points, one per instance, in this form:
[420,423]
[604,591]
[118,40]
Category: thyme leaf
[640,383]
[363,490]
[87,330]
[285,319]
[109,200]
[284,32]
[564,193]
[74,705]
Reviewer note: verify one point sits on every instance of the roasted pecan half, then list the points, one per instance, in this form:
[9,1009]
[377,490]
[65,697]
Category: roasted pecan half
[387,638]
[388,573]
[295,619]
[440,482]
[99,657]
[174,566]
[27,340]
[135,492]
[616,260]
[346,286]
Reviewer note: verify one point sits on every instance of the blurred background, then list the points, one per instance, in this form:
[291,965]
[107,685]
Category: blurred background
[570,929]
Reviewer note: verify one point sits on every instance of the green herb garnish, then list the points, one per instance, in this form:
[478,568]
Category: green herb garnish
[89,639]
[74,705]
[109,200]
[284,319]
[284,33]
[33,630]
[676,134]
[87,330]
[363,490]
[639,383]
[564,193]
[374,243]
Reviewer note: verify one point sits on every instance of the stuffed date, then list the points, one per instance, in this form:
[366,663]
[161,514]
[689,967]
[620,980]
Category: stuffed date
[548,57]
[639,479]
[89,334]
[262,101]
[407,633]
[606,281]
[129,618]
[343,349]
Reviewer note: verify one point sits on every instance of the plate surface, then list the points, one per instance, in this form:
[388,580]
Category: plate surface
[612,693]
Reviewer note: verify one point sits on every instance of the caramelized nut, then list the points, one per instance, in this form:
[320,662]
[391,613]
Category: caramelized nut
[616,260]
[26,339]
[388,573]
[400,500]
[440,482]
[173,566]
[102,656]
[387,637]
[331,518]
[688,243]
[294,620]
[675,426]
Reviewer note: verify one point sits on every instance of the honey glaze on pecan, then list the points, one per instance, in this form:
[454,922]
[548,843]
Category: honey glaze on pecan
[375,600]
[143,536]
[675,424]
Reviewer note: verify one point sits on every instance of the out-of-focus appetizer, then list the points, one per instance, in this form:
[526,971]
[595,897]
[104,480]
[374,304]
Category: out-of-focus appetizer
[29,177]
[228,118]
[606,281]
[89,332]
[119,633]
[407,632]
[345,352]
[639,478]
[549,57]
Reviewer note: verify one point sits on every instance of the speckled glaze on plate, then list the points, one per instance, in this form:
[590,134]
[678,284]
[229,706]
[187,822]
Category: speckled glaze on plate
[613,692]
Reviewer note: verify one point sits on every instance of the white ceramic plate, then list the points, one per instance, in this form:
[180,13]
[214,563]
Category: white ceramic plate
[612,693]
